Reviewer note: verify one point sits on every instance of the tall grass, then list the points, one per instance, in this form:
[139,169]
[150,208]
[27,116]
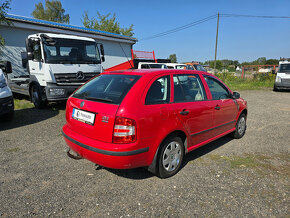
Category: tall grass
[257,82]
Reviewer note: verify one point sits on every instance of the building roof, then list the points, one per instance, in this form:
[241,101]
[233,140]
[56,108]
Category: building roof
[29,20]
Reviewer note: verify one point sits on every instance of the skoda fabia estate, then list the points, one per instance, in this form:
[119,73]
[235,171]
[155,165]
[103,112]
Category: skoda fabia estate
[150,118]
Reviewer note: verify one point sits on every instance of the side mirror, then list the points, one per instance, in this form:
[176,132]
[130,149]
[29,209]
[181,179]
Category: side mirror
[24,59]
[236,95]
[6,67]
[102,52]
[28,45]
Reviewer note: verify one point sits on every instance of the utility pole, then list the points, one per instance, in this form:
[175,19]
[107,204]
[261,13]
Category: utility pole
[216,41]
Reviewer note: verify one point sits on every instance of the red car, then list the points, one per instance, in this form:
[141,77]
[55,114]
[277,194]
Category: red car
[150,118]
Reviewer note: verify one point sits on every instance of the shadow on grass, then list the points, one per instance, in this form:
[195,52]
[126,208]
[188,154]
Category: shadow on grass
[142,173]
[27,116]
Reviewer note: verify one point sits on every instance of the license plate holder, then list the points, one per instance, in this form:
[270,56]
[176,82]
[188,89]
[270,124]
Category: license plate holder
[84,116]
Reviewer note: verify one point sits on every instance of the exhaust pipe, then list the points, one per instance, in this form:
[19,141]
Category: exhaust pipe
[73,154]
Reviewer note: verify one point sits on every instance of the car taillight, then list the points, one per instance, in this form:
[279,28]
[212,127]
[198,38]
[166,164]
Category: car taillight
[124,130]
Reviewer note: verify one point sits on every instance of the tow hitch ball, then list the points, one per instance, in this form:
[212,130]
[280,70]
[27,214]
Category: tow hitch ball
[73,154]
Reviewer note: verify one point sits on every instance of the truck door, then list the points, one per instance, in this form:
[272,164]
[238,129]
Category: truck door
[36,64]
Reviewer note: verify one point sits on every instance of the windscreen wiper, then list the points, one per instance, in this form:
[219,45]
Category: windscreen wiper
[98,99]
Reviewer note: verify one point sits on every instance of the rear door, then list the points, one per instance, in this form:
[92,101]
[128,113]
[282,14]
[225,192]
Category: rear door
[225,107]
[192,107]
[92,109]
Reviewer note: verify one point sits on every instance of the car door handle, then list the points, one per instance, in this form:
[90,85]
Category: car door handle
[184,112]
[217,107]
[32,68]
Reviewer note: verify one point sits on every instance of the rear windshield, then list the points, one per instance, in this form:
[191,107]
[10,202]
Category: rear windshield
[108,88]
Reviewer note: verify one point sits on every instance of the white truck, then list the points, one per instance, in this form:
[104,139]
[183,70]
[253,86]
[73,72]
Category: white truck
[6,97]
[282,80]
[57,65]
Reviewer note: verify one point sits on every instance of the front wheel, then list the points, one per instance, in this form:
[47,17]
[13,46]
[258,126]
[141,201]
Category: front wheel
[241,127]
[170,157]
[36,97]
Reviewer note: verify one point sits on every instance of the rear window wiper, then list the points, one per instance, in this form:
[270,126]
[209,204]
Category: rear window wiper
[98,99]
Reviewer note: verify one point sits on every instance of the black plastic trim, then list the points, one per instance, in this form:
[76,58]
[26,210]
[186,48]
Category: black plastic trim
[111,153]
[194,134]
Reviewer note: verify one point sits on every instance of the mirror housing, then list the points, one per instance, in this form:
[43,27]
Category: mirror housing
[28,45]
[102,53]
[236,95]
[24,59]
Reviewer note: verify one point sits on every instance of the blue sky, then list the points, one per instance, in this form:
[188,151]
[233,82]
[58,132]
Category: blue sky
[242,39]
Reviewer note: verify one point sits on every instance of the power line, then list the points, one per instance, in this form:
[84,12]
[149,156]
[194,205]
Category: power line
[255,16]
[177,29]
[180,28]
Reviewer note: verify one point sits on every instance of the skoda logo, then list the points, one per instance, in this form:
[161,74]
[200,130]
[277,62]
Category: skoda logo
[82,103]
[80,75]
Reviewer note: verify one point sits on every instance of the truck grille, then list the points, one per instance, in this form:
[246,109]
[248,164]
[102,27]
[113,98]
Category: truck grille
[285,81]
[76,78]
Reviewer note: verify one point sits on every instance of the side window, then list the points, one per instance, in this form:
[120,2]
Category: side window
[159,92]
[145,66]
[218,91]
[36,51]
[188,88]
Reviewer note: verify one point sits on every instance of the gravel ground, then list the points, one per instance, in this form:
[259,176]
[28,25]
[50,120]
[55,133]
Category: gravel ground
[226,178]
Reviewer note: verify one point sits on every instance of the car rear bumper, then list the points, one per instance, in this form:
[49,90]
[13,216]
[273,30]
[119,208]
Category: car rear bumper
[119,157]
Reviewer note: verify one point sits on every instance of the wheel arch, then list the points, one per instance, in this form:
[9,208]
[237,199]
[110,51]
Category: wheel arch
[152,168]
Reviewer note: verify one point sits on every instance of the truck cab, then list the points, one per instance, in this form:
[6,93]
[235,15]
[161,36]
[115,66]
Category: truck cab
[57,65]
[282,80]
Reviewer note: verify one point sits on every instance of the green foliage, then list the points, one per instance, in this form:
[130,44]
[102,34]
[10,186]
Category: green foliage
[53,11]
[259,81]
[173,58]
[105,23]
[262,61]
[4,7]
[219,64]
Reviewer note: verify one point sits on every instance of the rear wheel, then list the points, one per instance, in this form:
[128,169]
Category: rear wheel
[241,127]
[170,157]
[36,97]
[275,89]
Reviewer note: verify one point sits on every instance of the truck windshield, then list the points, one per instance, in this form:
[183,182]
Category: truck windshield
[71,51]
[284,68]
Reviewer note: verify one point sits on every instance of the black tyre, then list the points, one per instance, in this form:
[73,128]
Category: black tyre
[241,127]
[7,117]
[170,157]
[36,97]
[275,89]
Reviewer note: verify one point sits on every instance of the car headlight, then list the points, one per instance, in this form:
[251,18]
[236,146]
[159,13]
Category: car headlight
[278,79]
[53,91]
[3,83]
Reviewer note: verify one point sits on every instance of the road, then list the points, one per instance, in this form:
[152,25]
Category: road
[245,177]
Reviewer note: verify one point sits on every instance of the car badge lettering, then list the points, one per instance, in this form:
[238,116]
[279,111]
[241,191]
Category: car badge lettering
[105,119]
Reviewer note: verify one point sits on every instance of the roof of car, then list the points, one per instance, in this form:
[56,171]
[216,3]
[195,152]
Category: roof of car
[153,72]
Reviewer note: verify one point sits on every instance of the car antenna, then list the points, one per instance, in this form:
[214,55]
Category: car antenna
[125,54]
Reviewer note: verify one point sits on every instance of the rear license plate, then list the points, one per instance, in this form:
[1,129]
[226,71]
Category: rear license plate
[83,116]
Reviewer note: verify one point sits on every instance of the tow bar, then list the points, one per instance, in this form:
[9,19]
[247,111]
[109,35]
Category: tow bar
[74,156]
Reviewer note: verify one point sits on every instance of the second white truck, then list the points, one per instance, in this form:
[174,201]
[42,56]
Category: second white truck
[57,65]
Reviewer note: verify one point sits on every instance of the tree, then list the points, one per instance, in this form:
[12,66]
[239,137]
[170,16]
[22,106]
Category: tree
[53,11]
[4,7]
[107,24]
[173,58]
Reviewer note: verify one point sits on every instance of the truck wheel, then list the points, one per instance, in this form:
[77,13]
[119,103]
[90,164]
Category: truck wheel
[170,157]
[275,89]
[36,97]
[241,127]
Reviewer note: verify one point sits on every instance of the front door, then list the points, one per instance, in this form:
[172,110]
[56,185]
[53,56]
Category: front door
[225,107]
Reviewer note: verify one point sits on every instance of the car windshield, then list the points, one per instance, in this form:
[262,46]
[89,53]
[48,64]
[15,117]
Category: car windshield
[109,88]
[180,66]
[71,51]
[284,68]
[200,67]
